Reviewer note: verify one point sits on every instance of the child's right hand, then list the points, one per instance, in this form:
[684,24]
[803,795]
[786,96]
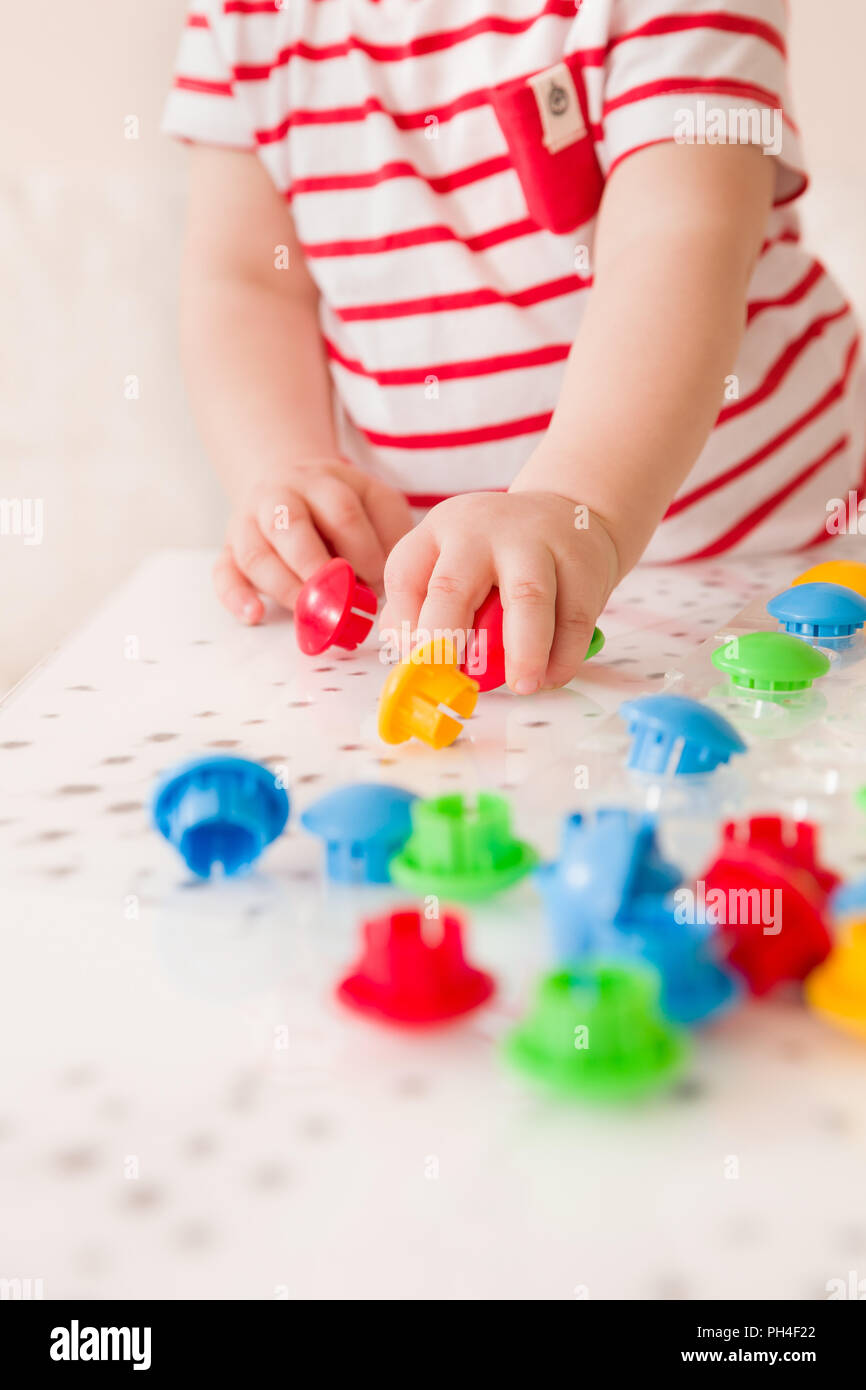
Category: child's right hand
[285,529]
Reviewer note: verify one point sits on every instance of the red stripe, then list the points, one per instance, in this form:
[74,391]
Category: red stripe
[793,296]
[780,369]
[710,19]
[823,405]
[722,86]
[432,499]
[454,439]
[771,504]
[465,299]
[452,371]
[791,236]
[399,52]
[414,120]
[197,21]
[401,169]
[250,7]
[419,236]
[199,84]
[403,120]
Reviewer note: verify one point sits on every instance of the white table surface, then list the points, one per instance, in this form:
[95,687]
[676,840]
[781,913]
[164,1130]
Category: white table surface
[186,1113]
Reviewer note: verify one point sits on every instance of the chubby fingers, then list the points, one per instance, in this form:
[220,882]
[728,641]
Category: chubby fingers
[289,529]
[234,590]
[340,516]
[407,573]
[459,582]
[258,563]
[528,590]
[575,622]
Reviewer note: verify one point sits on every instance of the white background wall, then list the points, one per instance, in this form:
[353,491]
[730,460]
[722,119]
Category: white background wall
[89,231]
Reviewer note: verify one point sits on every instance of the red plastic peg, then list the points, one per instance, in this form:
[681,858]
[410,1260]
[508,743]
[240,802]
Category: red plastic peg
[333,609]
[485,651]
[414,971]
[768,872]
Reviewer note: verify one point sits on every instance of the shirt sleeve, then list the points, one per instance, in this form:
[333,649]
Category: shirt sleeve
[203,106]
[685,71]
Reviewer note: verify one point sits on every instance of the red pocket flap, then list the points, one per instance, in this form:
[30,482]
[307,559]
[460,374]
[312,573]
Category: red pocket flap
[545,121]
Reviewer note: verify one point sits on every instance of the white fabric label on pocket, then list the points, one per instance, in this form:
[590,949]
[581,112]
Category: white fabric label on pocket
[558,105]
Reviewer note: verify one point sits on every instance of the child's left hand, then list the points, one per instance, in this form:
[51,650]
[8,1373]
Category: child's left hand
[554,565]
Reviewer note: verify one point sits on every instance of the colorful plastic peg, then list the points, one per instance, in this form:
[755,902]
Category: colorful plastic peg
[220,812]
[413,971]
[485,652]
[674,735]
[462,849]
[851,574]
[333,609]
[837,989]
[427,697]
[824,614]
[769,896]
[363,826]
[596,1031]
[772,663]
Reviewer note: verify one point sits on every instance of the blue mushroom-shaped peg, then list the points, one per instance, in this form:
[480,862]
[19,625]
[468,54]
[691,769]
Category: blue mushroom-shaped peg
[220,813]
[672,734]
[820,612]
[363,826]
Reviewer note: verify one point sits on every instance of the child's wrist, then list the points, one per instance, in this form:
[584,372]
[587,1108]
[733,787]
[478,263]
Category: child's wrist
[562,479]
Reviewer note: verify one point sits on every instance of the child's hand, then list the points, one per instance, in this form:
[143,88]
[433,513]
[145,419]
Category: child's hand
[553,563]
[285,530]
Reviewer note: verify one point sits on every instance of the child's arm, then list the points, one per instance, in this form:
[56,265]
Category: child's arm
[679,233]
[260,389]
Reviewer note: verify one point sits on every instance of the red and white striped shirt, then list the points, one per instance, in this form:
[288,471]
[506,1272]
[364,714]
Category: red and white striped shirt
[444,160]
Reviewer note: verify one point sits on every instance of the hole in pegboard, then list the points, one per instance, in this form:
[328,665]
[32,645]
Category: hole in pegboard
[318,1127]
[73,1162]
[194,1235]
[142,1196]
[199,1146]
[269,1177]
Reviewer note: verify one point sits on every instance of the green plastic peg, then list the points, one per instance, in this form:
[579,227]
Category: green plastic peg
[596,644]
[462,849]
[597,1032]
[771,661]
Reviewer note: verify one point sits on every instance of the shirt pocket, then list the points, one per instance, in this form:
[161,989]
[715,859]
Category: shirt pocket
[545,121]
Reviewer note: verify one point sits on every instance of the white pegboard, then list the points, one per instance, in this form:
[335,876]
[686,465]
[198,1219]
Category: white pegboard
[186,1032]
